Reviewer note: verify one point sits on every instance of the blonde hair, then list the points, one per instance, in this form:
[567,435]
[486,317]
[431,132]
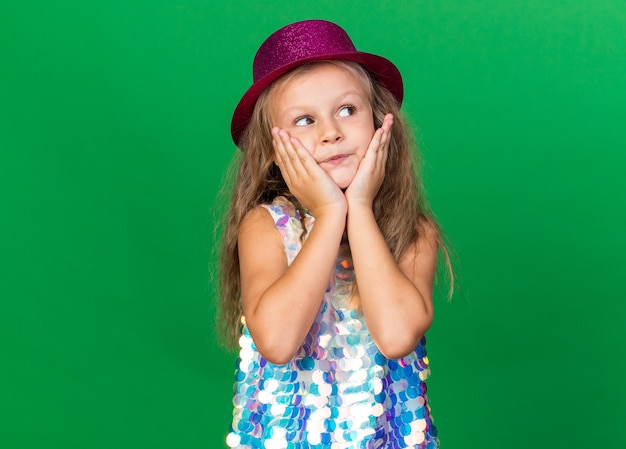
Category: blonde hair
[400,207]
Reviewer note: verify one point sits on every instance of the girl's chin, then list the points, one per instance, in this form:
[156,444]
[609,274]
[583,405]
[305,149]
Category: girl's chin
[343,185]
[343,180]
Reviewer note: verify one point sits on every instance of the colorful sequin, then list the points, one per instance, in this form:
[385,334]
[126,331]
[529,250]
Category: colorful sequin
[339,391]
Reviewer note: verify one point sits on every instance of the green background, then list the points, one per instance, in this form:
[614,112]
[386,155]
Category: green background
[114,134]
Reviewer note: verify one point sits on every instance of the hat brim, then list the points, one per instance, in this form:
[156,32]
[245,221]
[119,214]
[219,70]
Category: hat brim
[386,72]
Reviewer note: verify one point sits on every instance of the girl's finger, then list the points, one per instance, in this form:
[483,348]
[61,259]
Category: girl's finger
[384,141]
[282,156]
[296,159]
[387,123]
[376,141]
[298,152]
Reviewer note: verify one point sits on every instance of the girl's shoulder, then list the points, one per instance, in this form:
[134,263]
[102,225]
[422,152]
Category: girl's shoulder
[284,214]
[282,225]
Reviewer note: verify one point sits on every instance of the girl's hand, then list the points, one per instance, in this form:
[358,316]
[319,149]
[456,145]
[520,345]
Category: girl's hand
[306,180]
[369,177]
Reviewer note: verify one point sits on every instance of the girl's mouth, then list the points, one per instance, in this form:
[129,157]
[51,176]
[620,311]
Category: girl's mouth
[336,160]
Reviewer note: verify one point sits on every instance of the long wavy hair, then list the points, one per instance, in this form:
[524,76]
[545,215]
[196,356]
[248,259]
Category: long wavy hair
[400,206]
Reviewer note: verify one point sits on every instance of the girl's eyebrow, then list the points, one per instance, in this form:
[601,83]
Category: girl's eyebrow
[348,93]
[339,98]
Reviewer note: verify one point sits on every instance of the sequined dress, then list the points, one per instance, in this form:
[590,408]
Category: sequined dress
[339,391]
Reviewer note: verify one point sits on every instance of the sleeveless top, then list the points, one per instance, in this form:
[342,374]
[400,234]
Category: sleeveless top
[339,391]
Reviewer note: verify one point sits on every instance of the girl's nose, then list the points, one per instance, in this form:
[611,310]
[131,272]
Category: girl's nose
[330,132]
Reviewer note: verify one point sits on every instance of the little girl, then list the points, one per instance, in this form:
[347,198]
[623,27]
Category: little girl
[329,252]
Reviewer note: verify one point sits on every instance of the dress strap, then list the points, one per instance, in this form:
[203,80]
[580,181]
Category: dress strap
[289,225]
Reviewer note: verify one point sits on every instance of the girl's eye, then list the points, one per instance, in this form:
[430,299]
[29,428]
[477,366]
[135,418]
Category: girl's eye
[347,111]
[303,121]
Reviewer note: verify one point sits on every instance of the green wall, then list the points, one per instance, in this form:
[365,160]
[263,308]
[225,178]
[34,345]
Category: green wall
[114,133]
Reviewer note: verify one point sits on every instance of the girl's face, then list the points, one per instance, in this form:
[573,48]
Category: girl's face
[327,108]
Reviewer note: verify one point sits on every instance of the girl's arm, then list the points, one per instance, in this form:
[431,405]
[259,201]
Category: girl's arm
[396,297]
[280,302]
